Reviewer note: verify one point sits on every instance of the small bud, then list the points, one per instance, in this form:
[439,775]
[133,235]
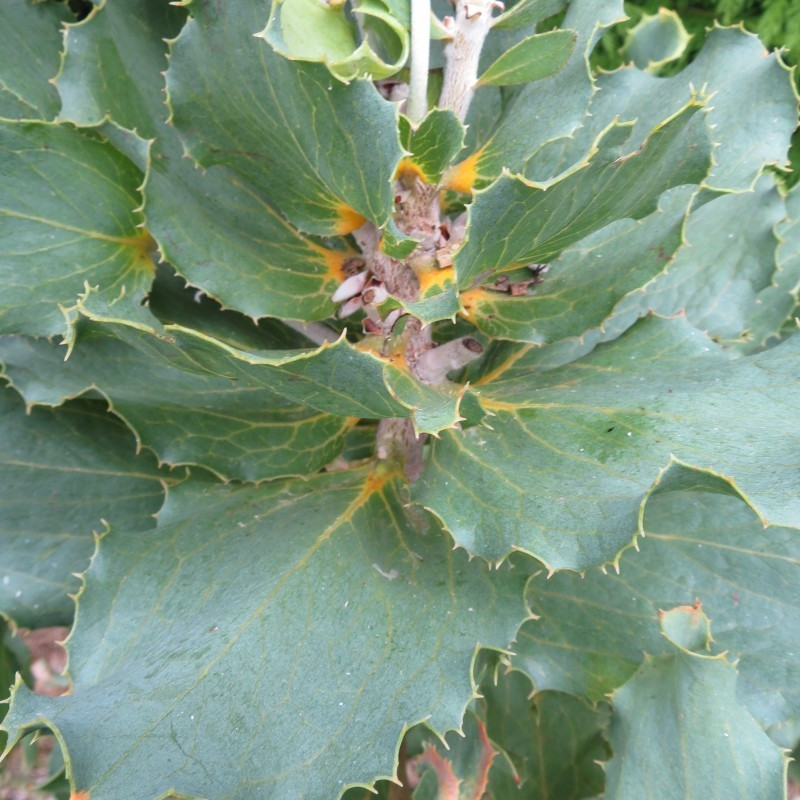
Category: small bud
[350,287]
[350,307]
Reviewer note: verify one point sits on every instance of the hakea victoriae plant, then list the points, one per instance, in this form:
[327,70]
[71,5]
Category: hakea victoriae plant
[347,345]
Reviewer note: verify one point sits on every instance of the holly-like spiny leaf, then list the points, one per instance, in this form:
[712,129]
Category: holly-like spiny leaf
[286,127]
[513,223]
[594,289]
[591,632]
[68,215]
[211,224]
[679,730]
[309,31]
[253,615]
[432,144]
[172,301]
[752,113]
[725,279]
[63,474]
[235,431]
[222,236]
[30,43]
[543,110]
[337,378]
[112,65]
[574,452]
[656,40]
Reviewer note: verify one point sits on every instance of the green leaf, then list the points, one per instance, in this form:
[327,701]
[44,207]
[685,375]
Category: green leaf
[544,110]
[434,407]
[782,297]
[13,660]
[723,276]
[199,218]
[687,627]
[225,239]
[337,378]
[553,740]
[386,27]
[513,222]
[438,297]
[172,301]
[432,145]
[594,290]
[592,631]
[336,167]
[679,730]
[347,594]
[726,279]
[394,242]
[30,44]
[574,451]
[111,65]
[307,30]
[539,56]
[67,216]
[752,114]
[233,430]
[528,12]
[656,40]
[62,475]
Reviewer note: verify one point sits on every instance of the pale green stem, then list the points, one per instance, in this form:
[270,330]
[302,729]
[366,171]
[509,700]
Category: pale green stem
[417,105]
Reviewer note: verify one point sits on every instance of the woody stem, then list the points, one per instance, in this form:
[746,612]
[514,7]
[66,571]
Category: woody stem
[468,31]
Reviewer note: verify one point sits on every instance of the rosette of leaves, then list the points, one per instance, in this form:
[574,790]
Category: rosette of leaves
[328,382]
